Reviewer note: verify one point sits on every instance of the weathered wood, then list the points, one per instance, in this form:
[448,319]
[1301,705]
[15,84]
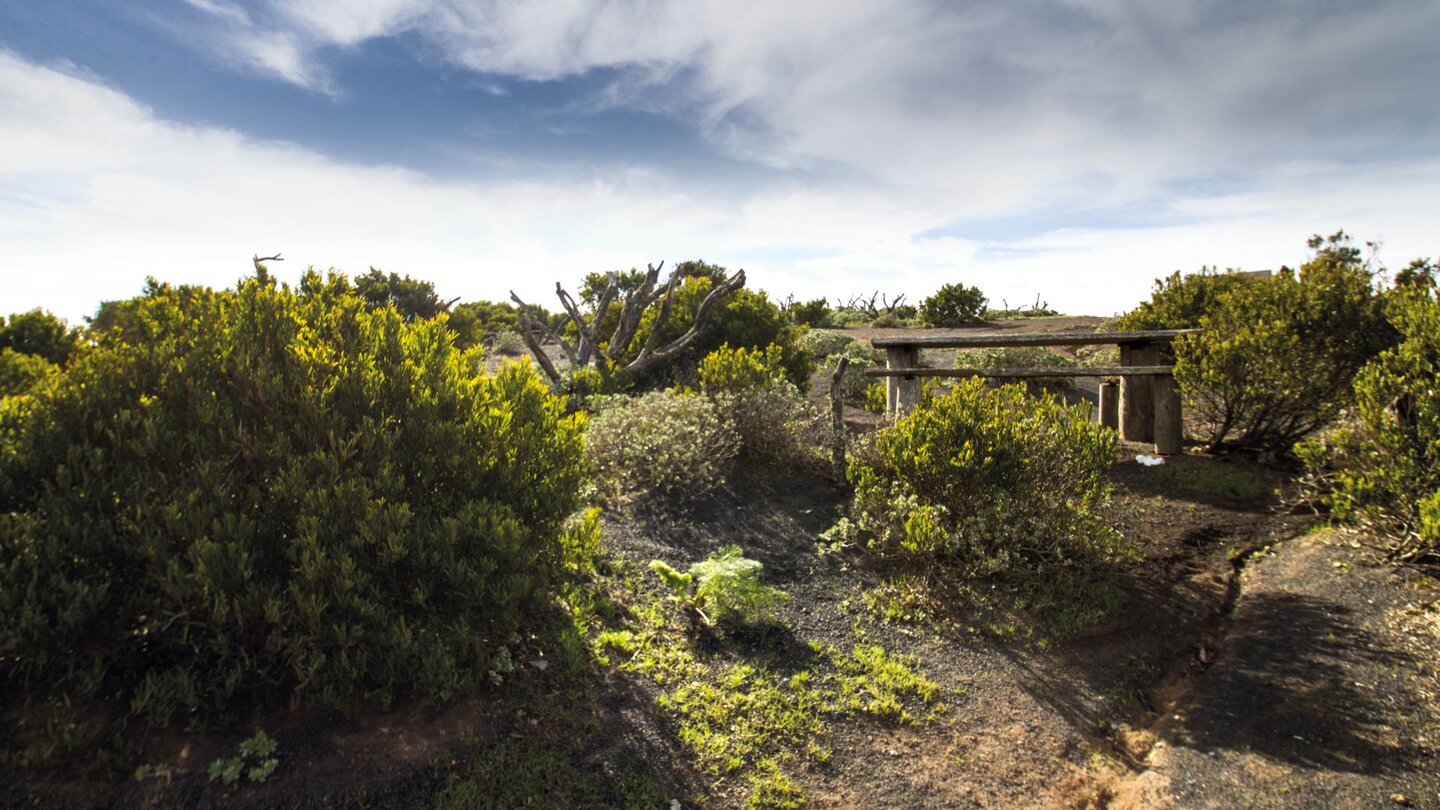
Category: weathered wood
[837,419]
[902,391]
[1150,336]
[1169,428]
[1110,405]
[1137,409]
[1020,373]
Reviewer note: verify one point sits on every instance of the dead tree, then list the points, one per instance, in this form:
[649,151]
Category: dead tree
[589,348]
[869,308]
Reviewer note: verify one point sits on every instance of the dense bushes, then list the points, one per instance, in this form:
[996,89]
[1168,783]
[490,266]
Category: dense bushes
[768,413]
[40,334]
[1381,467]
[1182,301]
[669,443]
[954,305]
[20,372]
[274,495]
[987,478]
[1278,353]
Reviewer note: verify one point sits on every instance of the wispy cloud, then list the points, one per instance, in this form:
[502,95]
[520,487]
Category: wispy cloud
[992,106]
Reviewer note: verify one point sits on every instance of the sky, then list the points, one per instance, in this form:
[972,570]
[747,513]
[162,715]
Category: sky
[1073,150]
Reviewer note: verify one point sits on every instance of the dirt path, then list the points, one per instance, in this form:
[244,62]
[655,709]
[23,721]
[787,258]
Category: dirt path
[1321,693]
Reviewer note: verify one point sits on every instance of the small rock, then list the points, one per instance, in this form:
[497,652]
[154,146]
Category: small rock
[1400,798]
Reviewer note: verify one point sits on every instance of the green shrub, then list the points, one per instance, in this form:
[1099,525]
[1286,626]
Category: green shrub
[862,358]
[1021,357]
[825,342]
[276,496]
[815,314]
[41,334]
[1381,467]
[767,412]
[507,343]
[1279,353]
[849,317]
[20,372]
[987,478]
[954,305]
[669,443]
[1182,301]
[875,397]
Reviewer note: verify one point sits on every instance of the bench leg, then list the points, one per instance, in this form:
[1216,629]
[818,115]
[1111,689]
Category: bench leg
[1137,404]
[1110,405]
[902,394]
[1169,426]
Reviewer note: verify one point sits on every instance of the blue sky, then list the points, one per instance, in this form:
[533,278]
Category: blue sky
[1074,149]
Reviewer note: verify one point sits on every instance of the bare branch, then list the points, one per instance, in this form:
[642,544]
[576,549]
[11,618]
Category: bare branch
[702,315]
[633,311]
[530,323]
[275,258]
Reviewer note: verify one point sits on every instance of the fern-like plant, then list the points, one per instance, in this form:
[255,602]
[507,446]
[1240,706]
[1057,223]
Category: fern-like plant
[726,588]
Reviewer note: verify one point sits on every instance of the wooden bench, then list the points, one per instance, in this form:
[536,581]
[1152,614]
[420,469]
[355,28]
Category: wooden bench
[1146,407]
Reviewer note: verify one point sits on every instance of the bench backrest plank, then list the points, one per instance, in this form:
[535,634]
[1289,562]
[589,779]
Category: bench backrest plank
[1032,339]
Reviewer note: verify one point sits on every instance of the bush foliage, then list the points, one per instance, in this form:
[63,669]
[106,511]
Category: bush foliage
[669,443]
[954,305]
[767,412]
[1381,467]
[275,495]
[1279,353]
[987,478]
[40,334]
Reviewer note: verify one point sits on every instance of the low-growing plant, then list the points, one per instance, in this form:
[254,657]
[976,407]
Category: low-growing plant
[724,588]
[255,760]
[507,343]
[667,443]
[860,359]
[991,479]
[1380,467]
[825,342]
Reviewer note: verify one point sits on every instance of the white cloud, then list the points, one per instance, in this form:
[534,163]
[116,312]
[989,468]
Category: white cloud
[987,107]
[96,192]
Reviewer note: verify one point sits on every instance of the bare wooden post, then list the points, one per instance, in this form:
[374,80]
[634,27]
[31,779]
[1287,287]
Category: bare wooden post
[1110,404]
[902,394]
[837,419]
[1169,430]
[1137,405]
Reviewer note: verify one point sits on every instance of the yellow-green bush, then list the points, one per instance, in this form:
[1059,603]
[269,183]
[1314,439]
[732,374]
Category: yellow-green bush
[274,496]
[20,372]
[1381,467]
[751,393]
[990,478]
